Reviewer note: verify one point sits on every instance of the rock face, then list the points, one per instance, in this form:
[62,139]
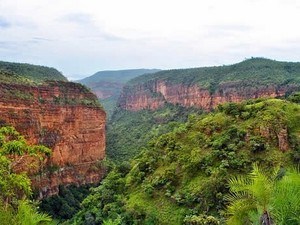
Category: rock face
[65,117]
[154,94]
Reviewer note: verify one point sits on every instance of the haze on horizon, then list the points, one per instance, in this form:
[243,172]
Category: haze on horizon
[82,38]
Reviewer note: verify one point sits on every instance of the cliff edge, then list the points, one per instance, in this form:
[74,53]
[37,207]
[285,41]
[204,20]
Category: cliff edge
[64,116]
[208,87]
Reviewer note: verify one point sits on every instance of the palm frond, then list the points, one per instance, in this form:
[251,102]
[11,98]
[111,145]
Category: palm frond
[238,211]
[27,215]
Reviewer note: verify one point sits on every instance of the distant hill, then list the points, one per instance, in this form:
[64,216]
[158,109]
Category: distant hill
[107,85]
[23,71]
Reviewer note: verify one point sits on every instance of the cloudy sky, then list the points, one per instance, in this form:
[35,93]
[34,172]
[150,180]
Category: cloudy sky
[81,37]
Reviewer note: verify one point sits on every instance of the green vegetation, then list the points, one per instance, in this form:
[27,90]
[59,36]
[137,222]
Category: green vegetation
[64,205]
[15,87]
[269,198]
[109,105]
[25,214]
[15,208]
[27,72]
[8,77]
[184,176]
[294,97]
[254,71]
[110,84]
[67,91]
[128,132]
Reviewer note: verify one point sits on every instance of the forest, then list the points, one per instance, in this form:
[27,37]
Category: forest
[228,166]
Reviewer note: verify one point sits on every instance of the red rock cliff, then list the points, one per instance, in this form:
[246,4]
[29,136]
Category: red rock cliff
[65,117]
[154,94]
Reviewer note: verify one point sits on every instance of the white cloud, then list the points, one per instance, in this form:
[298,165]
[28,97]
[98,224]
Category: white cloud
[82,37]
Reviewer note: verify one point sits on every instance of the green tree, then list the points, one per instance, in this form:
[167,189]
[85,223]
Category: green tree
[250,198]
[265,198]
[15,187]
[13,151]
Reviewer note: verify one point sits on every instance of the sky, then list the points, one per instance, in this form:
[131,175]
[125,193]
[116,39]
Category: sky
[81,37]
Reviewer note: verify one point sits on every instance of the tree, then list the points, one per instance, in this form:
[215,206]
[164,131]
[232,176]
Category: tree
[250,198]
[15,187]
[264,198]
[13,151]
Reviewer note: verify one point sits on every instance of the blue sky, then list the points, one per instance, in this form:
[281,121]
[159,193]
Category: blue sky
[80,37]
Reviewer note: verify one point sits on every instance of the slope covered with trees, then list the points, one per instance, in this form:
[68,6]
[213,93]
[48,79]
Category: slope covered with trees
[128,132]
[183,177]
[31,72]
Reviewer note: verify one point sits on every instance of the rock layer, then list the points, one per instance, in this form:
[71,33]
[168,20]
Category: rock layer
[65,117]
[154,94]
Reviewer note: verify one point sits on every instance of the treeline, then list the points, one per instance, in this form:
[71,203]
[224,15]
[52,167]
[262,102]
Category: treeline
[252,71]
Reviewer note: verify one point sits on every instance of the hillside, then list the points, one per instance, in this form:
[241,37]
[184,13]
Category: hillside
[128,132]
[184,174]
[149,102]
[31,72]
[107,85]
[209,86]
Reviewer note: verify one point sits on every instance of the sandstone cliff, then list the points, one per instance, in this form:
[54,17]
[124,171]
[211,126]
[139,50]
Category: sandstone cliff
[155,94]
[209,86]
[65,117]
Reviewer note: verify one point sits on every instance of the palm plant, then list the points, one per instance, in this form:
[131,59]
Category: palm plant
[264,199]
[27,215]
[250,198]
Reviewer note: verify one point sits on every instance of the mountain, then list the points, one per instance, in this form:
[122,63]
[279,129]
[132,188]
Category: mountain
[107,85]
[150,102]
[209,86]
[181,177]
[64,116]
[31,72]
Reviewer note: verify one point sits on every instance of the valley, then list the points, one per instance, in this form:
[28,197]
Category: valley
[171,145]
[107,85]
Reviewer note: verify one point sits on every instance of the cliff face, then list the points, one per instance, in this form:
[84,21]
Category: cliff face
[154,94]
[64,117]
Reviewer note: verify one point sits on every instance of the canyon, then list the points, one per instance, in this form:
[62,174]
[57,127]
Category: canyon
[155,94]
[67,118]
